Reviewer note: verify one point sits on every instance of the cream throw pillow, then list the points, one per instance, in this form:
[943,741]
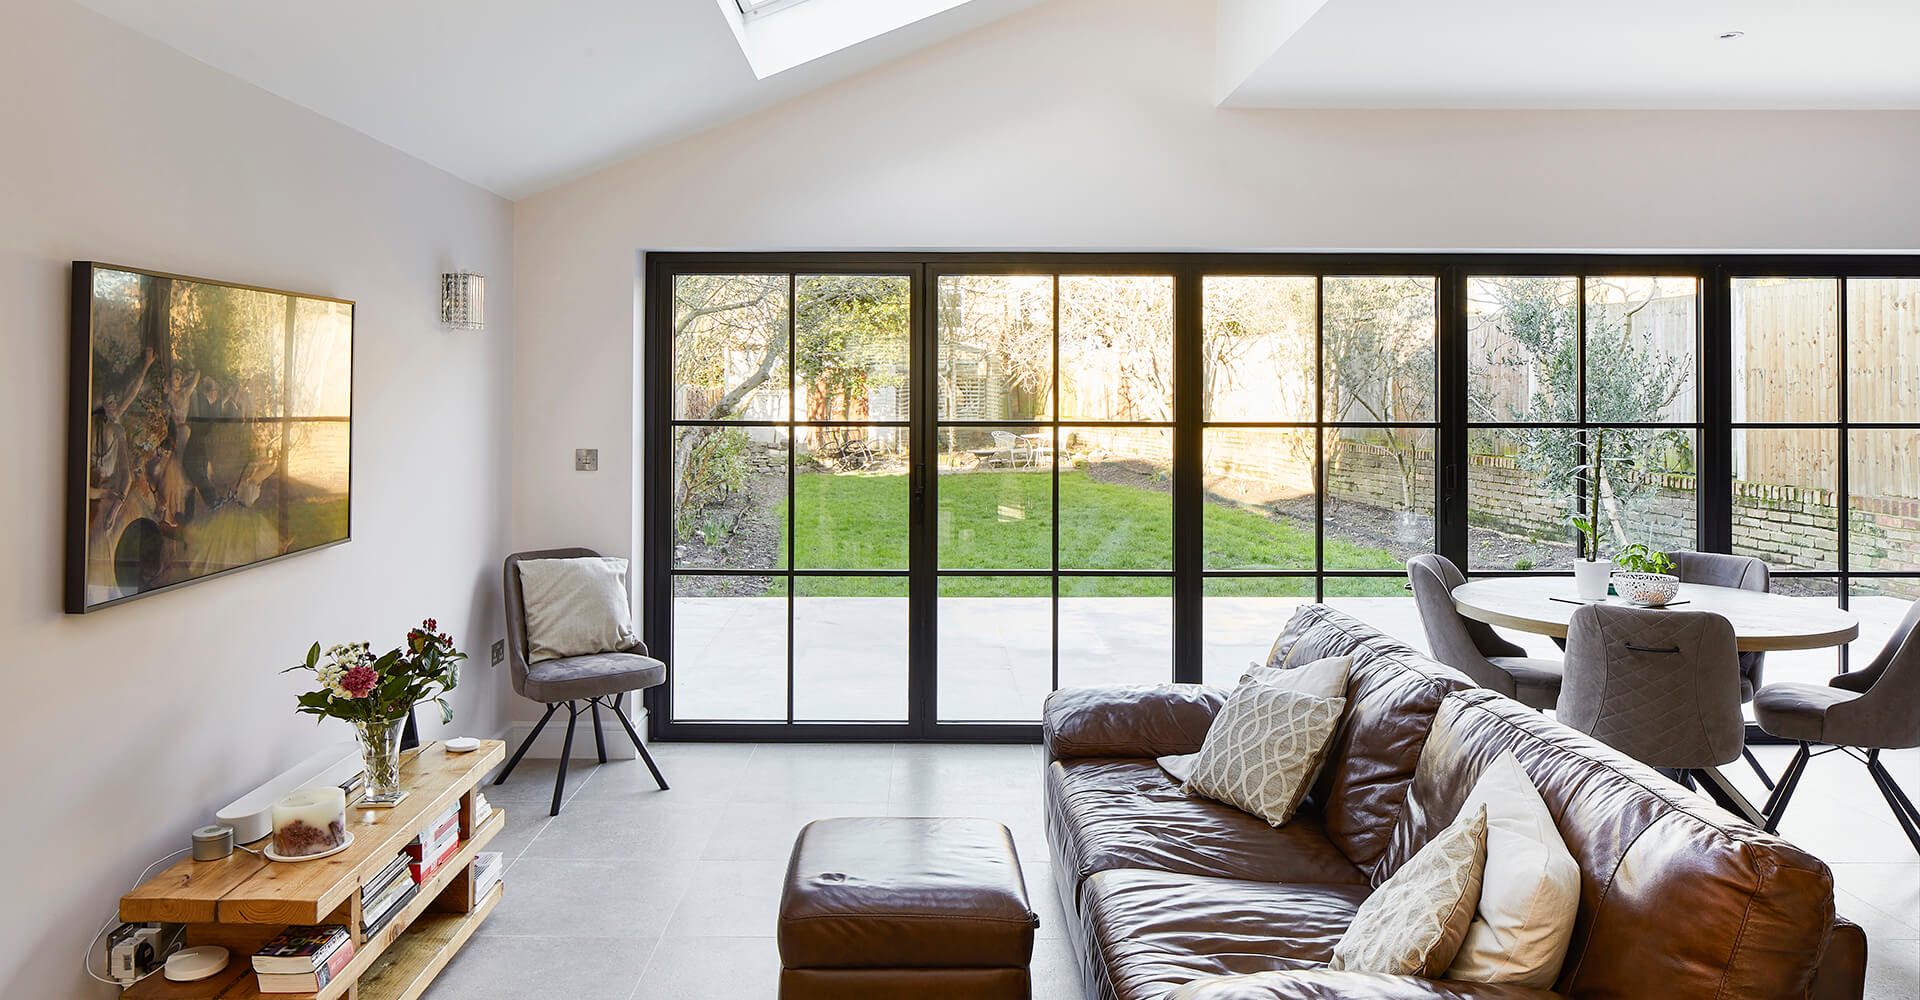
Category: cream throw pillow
[1531,891]
[575,607]
[1263,747]
[1413,924]
[1322,678]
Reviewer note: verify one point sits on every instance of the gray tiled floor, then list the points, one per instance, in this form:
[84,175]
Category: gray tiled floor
[636,894]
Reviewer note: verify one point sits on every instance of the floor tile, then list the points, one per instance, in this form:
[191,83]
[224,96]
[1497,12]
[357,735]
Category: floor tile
[524,823]
[729,899]
[571,966]
[765,831]
[1055,971]
[644,830]
[634,897]
[747,968]
[801,773]
[702,776]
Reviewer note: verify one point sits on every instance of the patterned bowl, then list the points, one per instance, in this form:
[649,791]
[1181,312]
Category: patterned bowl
[1646,589]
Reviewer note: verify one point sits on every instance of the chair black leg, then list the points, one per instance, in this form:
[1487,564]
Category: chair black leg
[1754,762]
[566,753]
[1783,791]
[599,738]
[524,744]
[1896,799]
[642,747]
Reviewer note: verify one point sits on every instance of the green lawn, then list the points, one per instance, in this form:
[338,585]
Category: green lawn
[1004,521]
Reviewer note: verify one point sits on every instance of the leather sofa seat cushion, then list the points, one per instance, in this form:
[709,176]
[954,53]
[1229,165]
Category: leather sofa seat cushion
[1131,814]
[896,892]
[1157,931]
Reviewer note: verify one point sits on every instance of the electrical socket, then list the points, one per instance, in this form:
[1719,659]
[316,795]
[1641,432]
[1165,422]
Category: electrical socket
[499,651]
[586,460]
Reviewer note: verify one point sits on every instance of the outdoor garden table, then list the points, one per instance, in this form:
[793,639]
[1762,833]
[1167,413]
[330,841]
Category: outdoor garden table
[1761,621]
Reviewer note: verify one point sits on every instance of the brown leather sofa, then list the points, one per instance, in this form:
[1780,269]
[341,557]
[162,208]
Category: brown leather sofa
[1165,891]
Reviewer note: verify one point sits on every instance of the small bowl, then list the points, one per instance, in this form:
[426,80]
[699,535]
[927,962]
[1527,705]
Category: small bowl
[1649,590]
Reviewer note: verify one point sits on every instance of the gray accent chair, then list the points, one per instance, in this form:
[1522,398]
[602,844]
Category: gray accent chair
[578,683]
[1472,647]
[1859,713]
[1718,569]
[1662,687]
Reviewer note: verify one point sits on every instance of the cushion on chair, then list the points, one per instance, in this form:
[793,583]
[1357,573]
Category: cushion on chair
[592,676]
[1536,681]
[1797,711]
[575,607]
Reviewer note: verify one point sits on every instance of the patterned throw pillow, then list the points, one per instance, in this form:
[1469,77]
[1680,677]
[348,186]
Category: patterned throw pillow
[1413,924]
[1322,678]
[1263,748]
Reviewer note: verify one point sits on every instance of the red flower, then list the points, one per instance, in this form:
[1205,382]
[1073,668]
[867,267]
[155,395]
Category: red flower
[359,681]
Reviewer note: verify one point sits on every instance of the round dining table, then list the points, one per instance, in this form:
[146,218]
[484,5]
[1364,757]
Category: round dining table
[1761,621]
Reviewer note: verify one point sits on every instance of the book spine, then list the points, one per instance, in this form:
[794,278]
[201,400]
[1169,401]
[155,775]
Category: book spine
[423,871]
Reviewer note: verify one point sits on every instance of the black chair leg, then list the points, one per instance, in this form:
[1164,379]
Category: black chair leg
[524,744]
[1783,791]
[566,753]
[1754,762]
[1896,799]
[642,747]
[599,738]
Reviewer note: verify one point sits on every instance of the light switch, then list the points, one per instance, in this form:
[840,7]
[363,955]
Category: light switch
[586,460]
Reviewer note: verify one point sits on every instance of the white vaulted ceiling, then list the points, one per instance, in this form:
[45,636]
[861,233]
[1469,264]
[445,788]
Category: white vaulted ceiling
[518,96]
[1549,54]
[515,95]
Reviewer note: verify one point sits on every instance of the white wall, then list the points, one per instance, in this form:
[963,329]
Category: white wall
[122,730]
[1088,124]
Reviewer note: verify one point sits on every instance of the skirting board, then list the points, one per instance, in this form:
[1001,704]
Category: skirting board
[547,747]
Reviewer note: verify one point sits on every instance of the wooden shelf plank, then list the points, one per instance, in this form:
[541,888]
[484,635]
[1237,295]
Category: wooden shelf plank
[246,986]
[246,888]
[405,970]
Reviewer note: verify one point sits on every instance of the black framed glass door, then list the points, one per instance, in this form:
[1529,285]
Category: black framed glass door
[905,496]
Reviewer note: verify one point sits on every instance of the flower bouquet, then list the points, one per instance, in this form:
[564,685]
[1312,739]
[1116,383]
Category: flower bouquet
[375,694]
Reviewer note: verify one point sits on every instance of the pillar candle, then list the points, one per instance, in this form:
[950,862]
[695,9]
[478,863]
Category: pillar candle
[310,821]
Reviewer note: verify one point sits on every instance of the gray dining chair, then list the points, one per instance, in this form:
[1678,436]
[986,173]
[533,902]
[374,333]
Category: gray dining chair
[1860,713]
[1472,647]
[577,683]
[1718,569]
[1662,687]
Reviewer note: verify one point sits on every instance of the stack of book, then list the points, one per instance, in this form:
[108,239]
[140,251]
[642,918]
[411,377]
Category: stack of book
[436,844]
[482,809]
[303,959]
[383,896]
[485,873]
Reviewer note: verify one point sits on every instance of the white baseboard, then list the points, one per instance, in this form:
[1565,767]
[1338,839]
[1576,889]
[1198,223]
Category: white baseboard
[547,747]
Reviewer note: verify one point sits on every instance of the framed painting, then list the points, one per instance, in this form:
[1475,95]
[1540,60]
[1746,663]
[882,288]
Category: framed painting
[210,428]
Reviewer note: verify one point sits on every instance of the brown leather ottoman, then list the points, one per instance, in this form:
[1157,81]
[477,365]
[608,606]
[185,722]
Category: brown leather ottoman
[893,908]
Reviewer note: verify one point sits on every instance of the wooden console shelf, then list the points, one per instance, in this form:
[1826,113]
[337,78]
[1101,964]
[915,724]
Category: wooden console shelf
[242,901]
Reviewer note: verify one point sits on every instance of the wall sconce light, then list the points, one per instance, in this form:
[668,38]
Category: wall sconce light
[463,301]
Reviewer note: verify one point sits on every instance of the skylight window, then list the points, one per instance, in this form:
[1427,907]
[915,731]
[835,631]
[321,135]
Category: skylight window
[750,9]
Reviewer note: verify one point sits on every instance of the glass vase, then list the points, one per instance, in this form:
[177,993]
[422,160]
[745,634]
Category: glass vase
[380,753]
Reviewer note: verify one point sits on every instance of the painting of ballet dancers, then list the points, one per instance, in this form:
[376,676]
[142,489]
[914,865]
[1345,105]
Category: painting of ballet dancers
[211,430]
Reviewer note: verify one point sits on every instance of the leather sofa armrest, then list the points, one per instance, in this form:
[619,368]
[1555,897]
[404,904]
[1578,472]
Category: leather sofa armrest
[1322,984]
[1132,721]
[1842,972]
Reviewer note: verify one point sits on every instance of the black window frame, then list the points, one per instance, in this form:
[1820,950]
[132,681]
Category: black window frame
[1713,425]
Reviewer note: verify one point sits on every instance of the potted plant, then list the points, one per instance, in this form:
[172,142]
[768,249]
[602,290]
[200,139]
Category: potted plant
[375,694]
[1590,572]
[1644,576]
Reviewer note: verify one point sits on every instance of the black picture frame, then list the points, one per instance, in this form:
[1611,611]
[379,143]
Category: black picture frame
[245,438]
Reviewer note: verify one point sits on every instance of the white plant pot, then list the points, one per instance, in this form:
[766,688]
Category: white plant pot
[1590,578]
